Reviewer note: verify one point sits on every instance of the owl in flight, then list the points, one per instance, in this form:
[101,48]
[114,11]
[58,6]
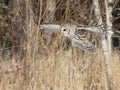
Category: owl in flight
[77,38]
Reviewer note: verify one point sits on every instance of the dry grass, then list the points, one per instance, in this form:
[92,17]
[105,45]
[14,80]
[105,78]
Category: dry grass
[54,67]
[59,69]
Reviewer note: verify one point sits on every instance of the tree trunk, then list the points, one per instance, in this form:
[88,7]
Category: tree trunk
[108,7]
[106,43]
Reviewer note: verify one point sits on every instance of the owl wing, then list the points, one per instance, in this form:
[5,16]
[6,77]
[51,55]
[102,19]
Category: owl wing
[82,43]
[51,28]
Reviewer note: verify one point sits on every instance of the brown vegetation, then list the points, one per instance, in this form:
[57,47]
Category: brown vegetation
[27,63]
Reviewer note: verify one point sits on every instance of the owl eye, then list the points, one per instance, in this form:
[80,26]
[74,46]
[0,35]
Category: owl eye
[64,29]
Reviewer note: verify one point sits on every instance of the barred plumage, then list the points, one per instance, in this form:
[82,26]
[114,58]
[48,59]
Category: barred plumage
[78,38]
[75,33]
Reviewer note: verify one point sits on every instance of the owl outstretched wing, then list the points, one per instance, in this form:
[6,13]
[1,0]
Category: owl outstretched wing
[82,43]
[51,28]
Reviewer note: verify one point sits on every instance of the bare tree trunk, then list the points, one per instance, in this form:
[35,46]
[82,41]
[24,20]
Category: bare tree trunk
[97,12]
[108,6]
[106,43]
[40,12]
[29,24]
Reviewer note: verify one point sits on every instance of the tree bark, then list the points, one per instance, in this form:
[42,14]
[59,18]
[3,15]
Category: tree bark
[106,43]
[108,8]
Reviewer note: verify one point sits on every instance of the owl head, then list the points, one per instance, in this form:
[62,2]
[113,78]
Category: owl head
[65,30]
[68,29]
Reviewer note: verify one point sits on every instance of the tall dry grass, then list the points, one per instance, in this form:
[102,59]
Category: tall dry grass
[57,66]
[60,70]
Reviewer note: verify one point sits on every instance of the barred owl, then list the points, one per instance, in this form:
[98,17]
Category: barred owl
[70,30]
